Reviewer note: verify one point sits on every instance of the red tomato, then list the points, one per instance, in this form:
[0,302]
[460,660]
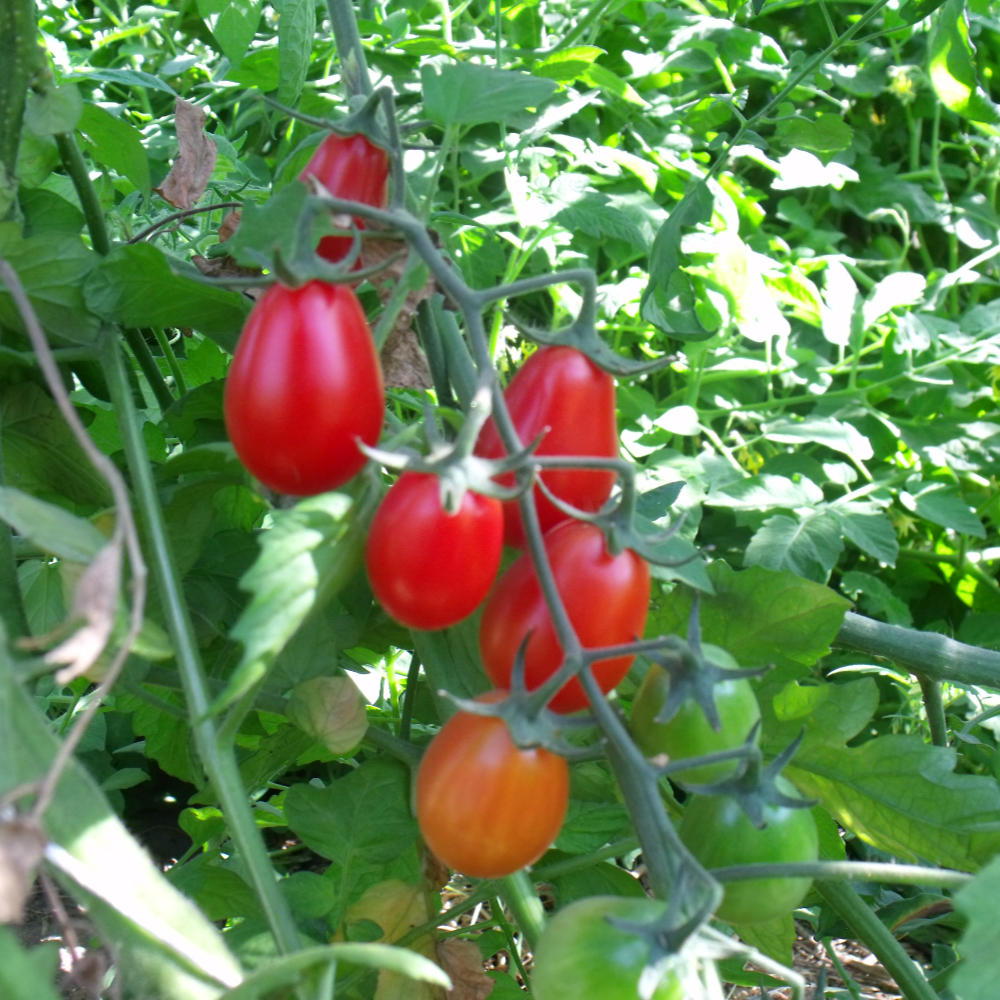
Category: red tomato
[348,167]
[561,389]
[430,569]
[486,807]
[606,598]
[304,383]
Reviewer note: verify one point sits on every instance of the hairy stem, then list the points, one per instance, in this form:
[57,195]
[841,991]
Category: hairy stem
[934,706]
[20,58]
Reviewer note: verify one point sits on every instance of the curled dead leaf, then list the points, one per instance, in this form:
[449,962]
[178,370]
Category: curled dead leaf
[95,602]
[226,267]
[21,846]
[230,224]
[192,170]
[464,965]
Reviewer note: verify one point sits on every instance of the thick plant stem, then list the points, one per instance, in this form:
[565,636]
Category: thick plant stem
[923,653]
[518,891]
[220,764]
[934,706]
[867,927]
[20,57]
[149,367]
[353,66]
[76,167]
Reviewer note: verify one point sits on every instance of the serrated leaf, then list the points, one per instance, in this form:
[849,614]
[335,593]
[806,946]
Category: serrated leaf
[872,533]
[468,94]
[234,24]
[567,64]
[52,268]
[299,555]
[828,431]
[51,528]
[943,504]
[452,662]
[116,144]
[759,617]
[904,288]
[269,227]
[902,795]
[830,714]
[296,30]
[877,600]
[590,825]
[808,544]
[138,286]
[764,492]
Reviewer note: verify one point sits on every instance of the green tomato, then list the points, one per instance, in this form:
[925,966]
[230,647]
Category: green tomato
[689,733]
[583,957]
[718,833]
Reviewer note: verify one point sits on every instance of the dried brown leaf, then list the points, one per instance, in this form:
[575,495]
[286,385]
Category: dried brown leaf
[95,602]
[464,965]
[230,224]
[88,973]
[21,846]
[192,170]
[226,267]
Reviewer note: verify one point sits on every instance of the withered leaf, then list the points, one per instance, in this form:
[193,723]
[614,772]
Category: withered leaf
[21,846]
[230,224]
[95,602]
[190,174]
[464,965]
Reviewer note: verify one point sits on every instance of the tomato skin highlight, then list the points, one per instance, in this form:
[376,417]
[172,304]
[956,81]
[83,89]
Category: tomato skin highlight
[486,807]
[561,389]
[689,733]
[304,383]
[718,833]
[430,569]
[606,598]
[353,168]
[581,956]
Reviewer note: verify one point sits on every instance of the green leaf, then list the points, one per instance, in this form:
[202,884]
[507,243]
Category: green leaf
[901,795]
[942,504]
[126,895]
[289,970]
[46,212]
[601,879]
[952,67]
[759,617]
[116,144]
[451,662]
[40,454]
[271,227]
[140,286]
[168,738]
[871,532]
[309,894]
[50,527]
[828,431]
[128,78]
[975,978]
[567,64]
[260,69]
[611,83]
[877,599]
[57,110]
[362,823]
[127,777]
[234,24]
[468,94]
[27,975]
[202,824]
[42,592]
[807,543]
[668,301]
[305,548]
[766,491]
[296,30]
[218,890]
[904,288]
[827,134]
[590,825]
[51,268]
[916,10]
[774,937]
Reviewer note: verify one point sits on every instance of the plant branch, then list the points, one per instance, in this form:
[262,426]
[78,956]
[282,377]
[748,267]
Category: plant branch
[137,342]
[151,230]
[934,706]
[867,927]
[353,66]
[20,58]
[846,871]
[93,212]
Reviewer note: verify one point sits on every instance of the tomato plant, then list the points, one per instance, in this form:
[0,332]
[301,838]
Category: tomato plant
[350,167]
[606,598]
[718,833]
[486,807]
[446,567]
[562,392]
[581,954]
[689,733]
[304,384]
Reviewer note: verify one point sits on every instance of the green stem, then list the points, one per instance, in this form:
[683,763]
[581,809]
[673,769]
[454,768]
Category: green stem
[12,613]
[591,17]
[409,696]
[496,905]
[845,871]
[559,868]
[219,764]
[929,653]
[20,57]
[867,927]
[168,353]
[353,66]
[934,705]
[149,367]
[519,894]
[76,167]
